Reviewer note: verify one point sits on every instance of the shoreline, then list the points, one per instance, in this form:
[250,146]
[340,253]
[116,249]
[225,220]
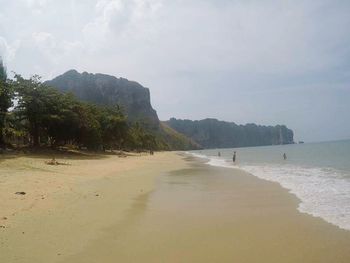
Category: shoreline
[289,191]
[311,200]
[114,208]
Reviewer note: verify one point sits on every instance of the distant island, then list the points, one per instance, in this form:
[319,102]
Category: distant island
[212,133]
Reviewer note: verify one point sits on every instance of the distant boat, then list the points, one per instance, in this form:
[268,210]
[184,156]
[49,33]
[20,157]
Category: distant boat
[300,142]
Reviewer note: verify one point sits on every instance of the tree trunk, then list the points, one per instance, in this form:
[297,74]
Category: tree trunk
[2,139]
[36,136]
[2,126]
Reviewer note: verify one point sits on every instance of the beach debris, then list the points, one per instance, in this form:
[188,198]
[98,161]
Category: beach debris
[120,154]
[20,193]
[97,195]
[4,218]
[54,162]
[1,226]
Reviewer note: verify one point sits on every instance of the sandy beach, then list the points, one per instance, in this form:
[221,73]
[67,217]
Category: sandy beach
[161,208]
[66,206]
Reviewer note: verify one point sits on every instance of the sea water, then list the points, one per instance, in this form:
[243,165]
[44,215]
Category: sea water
[317,173]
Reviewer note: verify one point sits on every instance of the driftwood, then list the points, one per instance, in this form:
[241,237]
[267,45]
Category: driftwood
[54,162]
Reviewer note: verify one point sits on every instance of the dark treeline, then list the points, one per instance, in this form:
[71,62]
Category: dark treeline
[6,95]
[34,114]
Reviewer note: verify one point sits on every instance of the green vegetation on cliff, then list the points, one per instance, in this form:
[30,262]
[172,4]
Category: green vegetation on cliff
[176,140]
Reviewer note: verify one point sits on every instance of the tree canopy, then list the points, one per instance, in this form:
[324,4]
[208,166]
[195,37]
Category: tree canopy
[5,100]
[43,116]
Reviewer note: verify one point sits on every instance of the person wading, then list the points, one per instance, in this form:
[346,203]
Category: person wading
[234,157]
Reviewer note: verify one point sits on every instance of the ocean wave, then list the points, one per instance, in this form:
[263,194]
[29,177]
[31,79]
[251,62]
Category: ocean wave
[198,155]
[323,192]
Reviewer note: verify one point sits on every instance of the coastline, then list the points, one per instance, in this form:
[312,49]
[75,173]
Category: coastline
[162,208]
[322,187]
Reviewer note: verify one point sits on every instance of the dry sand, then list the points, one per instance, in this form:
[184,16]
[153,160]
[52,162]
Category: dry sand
[66,206]
[158,208]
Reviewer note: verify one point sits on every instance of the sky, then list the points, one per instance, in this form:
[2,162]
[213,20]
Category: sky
[262,61]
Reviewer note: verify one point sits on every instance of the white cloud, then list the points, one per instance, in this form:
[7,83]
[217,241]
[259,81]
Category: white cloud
[54,48]
[117,20]
[37,6]
[7,51]
[44,40]
[37,3]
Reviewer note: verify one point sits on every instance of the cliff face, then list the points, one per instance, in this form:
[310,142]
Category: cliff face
[211,133]
[108,90]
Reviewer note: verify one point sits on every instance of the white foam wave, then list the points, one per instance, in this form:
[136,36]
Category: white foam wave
[198,155]
[219,162]
[323,192]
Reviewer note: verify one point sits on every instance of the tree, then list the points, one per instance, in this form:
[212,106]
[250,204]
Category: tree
[114,127]
[89,128]
[53,118]
[37,103]
[139,138]
[5,100]
[61,121]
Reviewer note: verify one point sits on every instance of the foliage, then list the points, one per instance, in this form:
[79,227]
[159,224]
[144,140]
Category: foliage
[138,138]
[49,117]
[5,100]
[54,118]
[114,127]
[175,140]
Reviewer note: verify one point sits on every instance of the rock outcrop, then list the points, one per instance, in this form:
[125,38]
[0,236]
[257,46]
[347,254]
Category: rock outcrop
[108,90]
[212,133]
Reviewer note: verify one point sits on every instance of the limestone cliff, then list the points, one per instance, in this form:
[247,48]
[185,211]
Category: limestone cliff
[212,133]
[108,90]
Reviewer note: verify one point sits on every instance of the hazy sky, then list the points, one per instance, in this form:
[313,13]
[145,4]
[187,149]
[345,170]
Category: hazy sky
[259,61]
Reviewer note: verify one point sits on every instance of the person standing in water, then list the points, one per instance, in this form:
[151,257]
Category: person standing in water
[219,154]
[234,157]
[284,156]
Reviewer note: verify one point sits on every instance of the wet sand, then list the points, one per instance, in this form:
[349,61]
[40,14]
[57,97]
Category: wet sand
[166,209]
